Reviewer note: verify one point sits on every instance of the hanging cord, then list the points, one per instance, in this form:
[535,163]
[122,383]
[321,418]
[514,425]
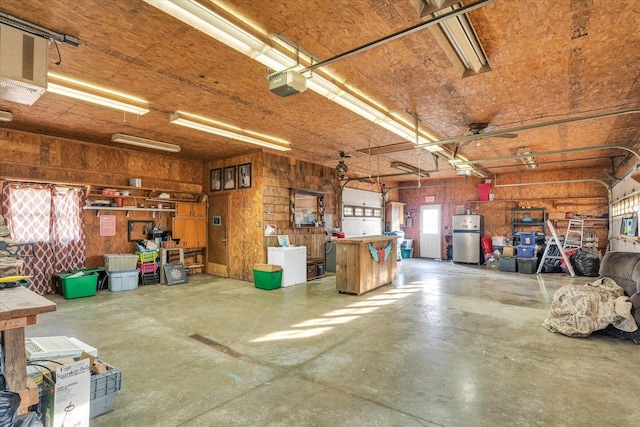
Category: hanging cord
[417,119]
[370,159]
[58,49]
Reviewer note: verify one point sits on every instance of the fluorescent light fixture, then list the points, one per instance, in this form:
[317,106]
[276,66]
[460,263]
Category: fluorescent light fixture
[203,18]
[409,169]
[228,131]
[463,172]
[88,92]
[527,157]
[143,142]
[455,36]
[6,116]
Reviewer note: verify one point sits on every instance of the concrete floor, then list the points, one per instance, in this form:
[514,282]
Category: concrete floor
[445,345]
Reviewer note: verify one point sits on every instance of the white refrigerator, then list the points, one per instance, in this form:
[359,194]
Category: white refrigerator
[293,260]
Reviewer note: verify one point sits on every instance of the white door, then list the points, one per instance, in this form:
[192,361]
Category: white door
[430,232]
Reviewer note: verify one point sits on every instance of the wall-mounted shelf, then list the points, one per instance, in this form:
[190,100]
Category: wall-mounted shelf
[98,209]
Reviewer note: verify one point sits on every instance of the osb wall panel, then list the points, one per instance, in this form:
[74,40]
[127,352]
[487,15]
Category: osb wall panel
[245,227]
[32,156]
[35,157]
[582,198]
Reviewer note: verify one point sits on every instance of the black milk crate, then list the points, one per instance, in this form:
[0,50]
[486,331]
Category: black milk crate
[149,278]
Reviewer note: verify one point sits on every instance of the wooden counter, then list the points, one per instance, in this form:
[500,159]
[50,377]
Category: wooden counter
[18,308]
[357,270]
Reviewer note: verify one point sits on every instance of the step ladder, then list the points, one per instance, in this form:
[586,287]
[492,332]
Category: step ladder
[555,241]
[575,232]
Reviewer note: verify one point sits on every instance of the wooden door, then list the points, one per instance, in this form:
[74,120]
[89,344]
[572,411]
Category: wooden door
[218,233]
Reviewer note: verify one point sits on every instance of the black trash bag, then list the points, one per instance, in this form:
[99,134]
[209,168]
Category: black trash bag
[586,263]
[9,404]
[552,265]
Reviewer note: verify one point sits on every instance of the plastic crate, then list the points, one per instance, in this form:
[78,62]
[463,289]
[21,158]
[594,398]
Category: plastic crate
[267,279]
[148,256]
[526,251]
[123,280]
[78,285]
[149,278]
[527,265]
[508,263]
[147,267]
[120,262]
[104,387]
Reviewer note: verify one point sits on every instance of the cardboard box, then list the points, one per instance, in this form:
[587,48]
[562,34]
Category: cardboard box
[105,382]
[67,398]
[267,267]
[508,251]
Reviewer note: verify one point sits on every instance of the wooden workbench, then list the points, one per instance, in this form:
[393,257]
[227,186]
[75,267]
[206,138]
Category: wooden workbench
[19,308]
[356,269]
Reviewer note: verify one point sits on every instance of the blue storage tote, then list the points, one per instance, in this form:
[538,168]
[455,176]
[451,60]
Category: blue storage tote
[527,239]
[526,251]
[123,280]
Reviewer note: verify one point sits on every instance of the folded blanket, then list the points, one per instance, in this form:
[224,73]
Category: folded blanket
[579,310]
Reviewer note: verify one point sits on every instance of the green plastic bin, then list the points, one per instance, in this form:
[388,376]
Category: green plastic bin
[406,252]
[267,279]
[74,286]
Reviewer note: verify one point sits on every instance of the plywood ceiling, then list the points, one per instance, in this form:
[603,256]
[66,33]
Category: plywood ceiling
[550,60]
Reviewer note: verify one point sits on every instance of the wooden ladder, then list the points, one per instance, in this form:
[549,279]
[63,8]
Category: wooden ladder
[554,240]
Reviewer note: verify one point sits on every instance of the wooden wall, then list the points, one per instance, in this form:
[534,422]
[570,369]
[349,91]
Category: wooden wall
[583,198]
[29,156]
[268,202]
[281,174]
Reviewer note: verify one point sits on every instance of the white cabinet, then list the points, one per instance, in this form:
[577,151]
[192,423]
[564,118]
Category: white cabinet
[293,260]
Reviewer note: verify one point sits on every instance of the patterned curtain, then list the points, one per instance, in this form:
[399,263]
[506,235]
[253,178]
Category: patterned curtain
[51,218]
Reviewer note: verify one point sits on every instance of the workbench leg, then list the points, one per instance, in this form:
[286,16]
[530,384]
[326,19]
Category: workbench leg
[15,369]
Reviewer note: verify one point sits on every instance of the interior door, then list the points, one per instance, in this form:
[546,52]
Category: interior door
[218,234]
[431,231]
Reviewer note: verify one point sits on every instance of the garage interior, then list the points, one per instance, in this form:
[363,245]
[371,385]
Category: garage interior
[408,103]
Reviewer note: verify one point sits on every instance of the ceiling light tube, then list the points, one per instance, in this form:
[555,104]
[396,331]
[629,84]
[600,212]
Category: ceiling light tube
[228,131]
[94,94]
[6,116]
[205,19]
[460,43]
[143,142]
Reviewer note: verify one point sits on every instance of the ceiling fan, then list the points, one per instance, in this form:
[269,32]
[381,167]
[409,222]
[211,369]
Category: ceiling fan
[478,128]
[342,166]
[482,127]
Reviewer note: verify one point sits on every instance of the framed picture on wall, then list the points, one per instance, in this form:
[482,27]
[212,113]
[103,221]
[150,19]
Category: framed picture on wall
[244,176]
[215,179]
[229,178]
